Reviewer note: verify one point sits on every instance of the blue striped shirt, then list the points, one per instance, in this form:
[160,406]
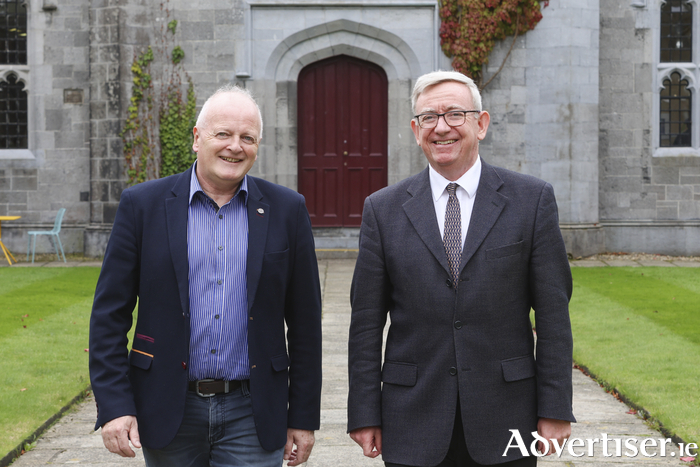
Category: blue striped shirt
[217,247]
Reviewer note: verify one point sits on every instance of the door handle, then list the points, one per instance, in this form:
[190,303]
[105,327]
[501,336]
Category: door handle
[345,153]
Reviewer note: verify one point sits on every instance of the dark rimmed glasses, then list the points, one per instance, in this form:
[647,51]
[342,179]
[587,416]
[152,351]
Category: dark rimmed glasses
[453,118]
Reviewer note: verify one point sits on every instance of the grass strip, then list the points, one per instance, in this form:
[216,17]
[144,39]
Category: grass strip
[638,330]
[30,440]
[44,327]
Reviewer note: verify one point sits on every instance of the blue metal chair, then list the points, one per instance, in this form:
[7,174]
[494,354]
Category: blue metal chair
[55,239]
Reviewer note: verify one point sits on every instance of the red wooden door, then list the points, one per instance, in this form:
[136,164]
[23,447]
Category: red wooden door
[342,138]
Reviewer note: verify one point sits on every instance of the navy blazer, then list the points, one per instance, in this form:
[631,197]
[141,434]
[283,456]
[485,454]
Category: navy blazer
[146,261]
[474,345]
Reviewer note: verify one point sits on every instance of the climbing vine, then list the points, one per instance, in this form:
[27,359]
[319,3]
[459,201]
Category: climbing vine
[177,116]
[470,28]
[157,134]
[139,129]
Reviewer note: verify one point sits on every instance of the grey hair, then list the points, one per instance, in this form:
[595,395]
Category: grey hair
[437,77]
[202,119]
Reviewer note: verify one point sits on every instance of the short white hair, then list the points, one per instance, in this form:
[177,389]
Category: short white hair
[437,77]
[202,119]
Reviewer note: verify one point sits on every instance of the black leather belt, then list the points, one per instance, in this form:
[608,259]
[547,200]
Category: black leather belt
[211,387]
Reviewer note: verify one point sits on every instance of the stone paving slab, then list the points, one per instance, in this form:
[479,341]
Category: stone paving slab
[622,263]
[53,264]
[587,263]
[686,264]
[658,264]
[73,441]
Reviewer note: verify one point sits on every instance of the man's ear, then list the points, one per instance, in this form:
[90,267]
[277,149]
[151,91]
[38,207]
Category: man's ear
[416,130]
[195,141]
[484,120]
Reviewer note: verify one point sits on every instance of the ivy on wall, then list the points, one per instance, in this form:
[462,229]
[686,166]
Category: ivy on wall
[138,130]
[470,28]
[157,134]
[177,117]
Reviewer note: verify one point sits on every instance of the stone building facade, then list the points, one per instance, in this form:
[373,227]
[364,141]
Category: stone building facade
[579,103]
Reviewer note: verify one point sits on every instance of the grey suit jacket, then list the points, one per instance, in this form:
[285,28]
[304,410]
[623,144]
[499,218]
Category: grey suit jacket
[473,342]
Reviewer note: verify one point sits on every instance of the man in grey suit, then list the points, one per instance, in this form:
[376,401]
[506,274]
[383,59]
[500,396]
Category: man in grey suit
[458,255]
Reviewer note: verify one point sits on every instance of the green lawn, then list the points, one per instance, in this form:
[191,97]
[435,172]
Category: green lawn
[638,329]
[44,324]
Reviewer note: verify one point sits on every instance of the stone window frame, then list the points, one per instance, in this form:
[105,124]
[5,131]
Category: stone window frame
[689,71]
[22,75]
[22,71]
[684,101]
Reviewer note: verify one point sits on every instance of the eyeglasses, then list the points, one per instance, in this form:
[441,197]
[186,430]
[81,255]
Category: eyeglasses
[453,118]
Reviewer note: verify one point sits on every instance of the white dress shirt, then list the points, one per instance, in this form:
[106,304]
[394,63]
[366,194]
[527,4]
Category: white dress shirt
[466,191]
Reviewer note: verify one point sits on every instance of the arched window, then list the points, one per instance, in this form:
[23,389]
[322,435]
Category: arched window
[13,114]
[13,32]
[13,59]
[675,112]
[676,31]
[676,118]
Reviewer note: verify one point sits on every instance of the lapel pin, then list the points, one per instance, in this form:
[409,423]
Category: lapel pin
[261,211]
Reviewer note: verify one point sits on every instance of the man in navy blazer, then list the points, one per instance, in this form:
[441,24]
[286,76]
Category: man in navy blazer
[459,370]
[219,263]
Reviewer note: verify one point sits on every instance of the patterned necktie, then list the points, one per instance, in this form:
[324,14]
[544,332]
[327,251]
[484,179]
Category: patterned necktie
[453,233]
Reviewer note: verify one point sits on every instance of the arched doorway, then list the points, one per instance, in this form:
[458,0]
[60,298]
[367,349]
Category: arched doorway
[342,138]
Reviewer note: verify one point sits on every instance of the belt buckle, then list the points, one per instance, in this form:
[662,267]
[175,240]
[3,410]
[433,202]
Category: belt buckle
[196,387]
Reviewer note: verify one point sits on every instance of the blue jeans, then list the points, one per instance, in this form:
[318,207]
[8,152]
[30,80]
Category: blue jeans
[216,431]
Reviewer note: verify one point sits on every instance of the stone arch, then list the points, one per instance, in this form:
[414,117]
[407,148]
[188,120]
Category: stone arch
[22,77]
[346,37]
[684,75]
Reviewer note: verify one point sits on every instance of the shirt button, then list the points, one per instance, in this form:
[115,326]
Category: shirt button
[214,351]
[458,325]
[453,371]
[221,216]
[216,316]
[221,248]
[219,282]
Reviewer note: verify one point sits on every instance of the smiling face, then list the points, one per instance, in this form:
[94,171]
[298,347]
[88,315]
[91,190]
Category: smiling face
[450,151]
[226,142]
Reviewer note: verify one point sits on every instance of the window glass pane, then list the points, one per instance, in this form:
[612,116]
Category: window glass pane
[13,114]
[676,31]
[675,112]
[13,32]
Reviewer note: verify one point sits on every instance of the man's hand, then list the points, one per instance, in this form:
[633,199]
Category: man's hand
[370,438]
[304,440]
[550,429]
[117,433]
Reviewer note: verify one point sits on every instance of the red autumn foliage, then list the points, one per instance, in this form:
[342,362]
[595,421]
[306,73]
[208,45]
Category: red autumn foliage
[470,29]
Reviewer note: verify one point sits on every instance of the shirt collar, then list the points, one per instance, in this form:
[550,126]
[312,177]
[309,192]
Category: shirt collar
[469,181]
[196,187]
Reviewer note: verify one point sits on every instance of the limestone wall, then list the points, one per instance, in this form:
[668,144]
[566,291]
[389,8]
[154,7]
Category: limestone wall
[54,171]
[647,202]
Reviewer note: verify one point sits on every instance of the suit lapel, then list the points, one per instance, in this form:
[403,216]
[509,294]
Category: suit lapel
[488,206]
[420,210]
[176,208]
[258,222]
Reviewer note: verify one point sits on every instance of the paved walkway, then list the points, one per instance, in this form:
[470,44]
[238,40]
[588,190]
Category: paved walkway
[73,441]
